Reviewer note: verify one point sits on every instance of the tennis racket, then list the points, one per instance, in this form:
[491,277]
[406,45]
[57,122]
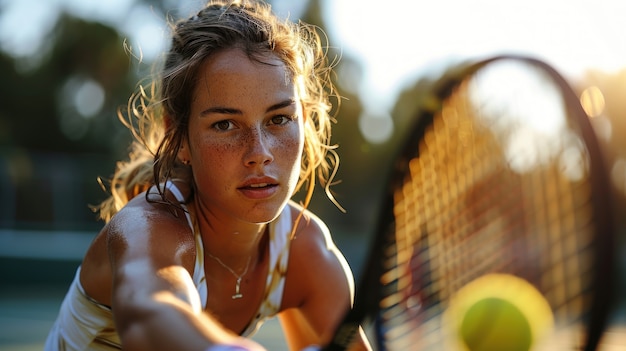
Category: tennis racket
[501,174]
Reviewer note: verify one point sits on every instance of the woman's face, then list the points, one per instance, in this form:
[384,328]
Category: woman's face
[245,136]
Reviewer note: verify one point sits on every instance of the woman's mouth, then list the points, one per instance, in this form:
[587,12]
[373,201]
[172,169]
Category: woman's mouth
[260,185]
[259,191]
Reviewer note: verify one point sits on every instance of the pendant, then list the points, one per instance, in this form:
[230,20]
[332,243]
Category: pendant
[237,294]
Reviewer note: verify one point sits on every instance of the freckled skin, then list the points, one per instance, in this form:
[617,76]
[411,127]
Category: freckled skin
[253,145]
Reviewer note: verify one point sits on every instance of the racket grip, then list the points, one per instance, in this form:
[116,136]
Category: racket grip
[232,347]
[223,347]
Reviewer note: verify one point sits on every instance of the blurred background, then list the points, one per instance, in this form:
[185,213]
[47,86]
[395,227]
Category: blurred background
[66,66]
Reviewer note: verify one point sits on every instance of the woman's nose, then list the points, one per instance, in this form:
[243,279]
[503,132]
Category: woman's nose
[259,147]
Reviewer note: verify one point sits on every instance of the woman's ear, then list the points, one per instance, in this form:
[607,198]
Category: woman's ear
[183,153]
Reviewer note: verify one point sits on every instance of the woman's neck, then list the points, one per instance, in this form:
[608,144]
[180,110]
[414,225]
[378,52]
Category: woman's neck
[230,240]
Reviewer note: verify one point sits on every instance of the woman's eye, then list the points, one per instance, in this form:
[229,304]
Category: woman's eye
[223,125]
[280,120]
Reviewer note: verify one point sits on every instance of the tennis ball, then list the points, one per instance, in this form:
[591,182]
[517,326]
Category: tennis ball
[495,324]
[498,312]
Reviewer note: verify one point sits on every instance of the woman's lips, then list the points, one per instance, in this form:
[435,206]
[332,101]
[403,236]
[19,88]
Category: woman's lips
[260,188]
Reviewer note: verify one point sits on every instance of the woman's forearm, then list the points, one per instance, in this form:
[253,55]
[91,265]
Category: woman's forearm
[166,322]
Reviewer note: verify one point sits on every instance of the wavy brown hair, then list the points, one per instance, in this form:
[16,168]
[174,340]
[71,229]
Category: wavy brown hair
[158,113]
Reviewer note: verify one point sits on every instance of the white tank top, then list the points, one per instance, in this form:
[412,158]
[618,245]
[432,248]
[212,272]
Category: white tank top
[85,324]
[279,231]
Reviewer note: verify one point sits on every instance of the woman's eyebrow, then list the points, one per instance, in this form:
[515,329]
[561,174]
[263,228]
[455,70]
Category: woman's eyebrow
[281,104]
[221,110]
[234,111]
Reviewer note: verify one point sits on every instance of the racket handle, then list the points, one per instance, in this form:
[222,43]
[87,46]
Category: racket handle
[238,347]
[223,347]
[228,348]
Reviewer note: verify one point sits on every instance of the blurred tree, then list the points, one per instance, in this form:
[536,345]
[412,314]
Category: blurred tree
[42,106]
[58,128]
[363,165]
[613,88]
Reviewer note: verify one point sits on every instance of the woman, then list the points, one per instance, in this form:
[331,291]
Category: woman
[202,241]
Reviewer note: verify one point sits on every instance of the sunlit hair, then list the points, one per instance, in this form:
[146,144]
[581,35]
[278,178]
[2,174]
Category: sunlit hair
[158,113]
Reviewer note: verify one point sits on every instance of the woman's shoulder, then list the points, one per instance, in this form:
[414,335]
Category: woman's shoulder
[148,216]
[315,261]
[312,237]
[307,223]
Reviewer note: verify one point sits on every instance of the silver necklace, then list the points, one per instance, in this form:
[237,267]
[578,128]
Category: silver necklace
[237,294]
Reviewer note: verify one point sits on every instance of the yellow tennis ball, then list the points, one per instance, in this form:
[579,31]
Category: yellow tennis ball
[495,324]
[499,312]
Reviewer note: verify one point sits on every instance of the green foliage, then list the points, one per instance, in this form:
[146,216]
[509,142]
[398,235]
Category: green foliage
[50,153]
[36,105]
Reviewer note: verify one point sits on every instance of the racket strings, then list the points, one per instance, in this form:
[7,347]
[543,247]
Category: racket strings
[561,224]
[463,212]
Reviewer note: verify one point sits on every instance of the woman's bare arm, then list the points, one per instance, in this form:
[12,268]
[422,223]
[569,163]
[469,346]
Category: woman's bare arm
[320,278]
[155,303]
